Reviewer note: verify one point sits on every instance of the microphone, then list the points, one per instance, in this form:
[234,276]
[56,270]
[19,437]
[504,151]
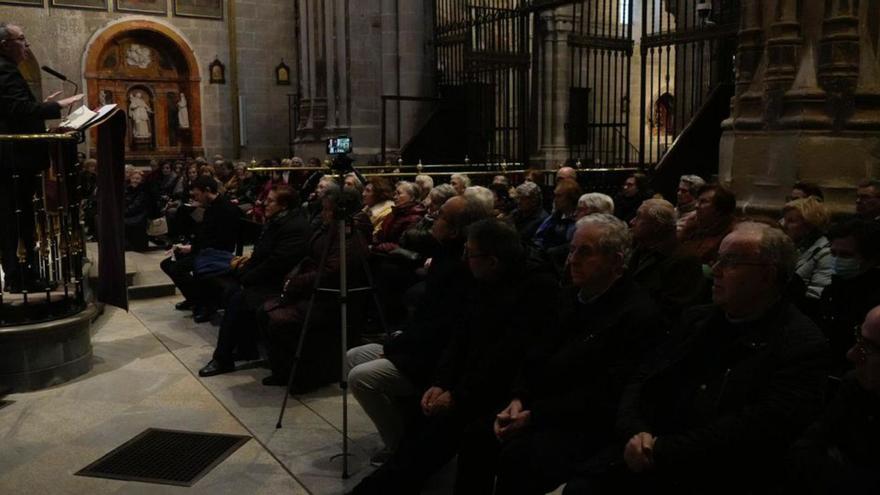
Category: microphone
[61,76]
[54,72]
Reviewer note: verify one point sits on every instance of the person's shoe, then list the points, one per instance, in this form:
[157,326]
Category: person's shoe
[215,367]
[184,305]
[203,316]
[274,381]
[381,457]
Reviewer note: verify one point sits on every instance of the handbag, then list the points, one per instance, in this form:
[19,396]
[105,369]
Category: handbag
[157,227]
[211,262]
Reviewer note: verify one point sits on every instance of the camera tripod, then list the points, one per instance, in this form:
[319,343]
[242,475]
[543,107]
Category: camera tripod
[343,226]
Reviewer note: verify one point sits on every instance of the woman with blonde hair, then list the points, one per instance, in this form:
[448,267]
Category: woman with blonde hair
[805,221]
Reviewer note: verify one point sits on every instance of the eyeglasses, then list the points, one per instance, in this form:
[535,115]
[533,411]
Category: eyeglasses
[863,346]
[725,261]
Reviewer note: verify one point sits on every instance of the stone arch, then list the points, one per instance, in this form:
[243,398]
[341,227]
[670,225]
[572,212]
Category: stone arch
[145,54]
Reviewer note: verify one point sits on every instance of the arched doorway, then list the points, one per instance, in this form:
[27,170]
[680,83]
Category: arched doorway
[150,72]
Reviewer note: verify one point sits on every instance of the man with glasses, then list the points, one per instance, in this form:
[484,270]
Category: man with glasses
[868,200]
[839,454]
[722,401]
[20,113]
[562,406]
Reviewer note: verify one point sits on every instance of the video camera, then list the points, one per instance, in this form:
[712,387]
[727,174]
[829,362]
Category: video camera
[339,148]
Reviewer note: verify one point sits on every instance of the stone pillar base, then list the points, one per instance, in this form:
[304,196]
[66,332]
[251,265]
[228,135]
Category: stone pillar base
[761,166]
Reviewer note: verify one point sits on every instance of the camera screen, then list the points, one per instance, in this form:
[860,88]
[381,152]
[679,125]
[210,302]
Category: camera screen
[339,146]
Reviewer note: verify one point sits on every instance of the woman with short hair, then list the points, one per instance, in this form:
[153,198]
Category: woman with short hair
[805,221]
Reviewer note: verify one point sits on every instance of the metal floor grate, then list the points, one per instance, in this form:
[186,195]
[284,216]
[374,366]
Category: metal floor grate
[169,457]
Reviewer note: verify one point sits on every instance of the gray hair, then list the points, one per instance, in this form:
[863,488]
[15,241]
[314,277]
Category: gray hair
[481,194]
[693,183]
[615,238]
[662,213]
[464,179]
[775,247]
[529,190]
[597,202]
[410,187]
[425,182]
[441,194]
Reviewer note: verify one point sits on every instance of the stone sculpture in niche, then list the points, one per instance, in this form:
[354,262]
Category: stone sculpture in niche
[138,56]
[182,113]
[139,112]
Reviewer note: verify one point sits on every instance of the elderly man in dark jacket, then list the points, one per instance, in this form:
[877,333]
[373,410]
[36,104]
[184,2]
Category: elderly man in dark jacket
[564,403]
[283,244]
[20,113]
[387,380]
[721,402]
[838,453]
[498,313]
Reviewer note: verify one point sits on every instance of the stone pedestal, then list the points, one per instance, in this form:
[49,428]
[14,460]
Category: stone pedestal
[807,108]
[41,355]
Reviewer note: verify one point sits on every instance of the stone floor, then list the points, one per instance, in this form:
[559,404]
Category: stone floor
[145,375]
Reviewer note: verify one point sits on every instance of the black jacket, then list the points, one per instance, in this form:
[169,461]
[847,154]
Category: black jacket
[726,399]
[22,113]
[497,321]
[137,205]
[674,280]
[843,305]
[283,243]
[219,226]
[416,350]
[526,226]
[577,373]
[839,453]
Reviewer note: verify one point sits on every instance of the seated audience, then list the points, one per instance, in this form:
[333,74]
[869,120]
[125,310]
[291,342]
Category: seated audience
[686,198]
[714,219]
[281,318]
[405,213]
[490,329]
[353,183]
[801,190]
[377,201]
[314,205]
[529,213]
[838,453]
[868,200]
[805,221]
[384,379]
[557,229]
[673,279]
[218,230]
[594,202]
[854,290]
[459,182]
[137,210]
[281,246]
[566,172]
[564,402]
[426,184]
[418,238]
[635,190]
[504,205]
[721,402]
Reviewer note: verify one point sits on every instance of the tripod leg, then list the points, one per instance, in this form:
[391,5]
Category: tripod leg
[303,332]
[372,284]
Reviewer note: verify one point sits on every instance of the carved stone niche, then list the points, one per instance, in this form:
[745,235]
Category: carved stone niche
[151,73]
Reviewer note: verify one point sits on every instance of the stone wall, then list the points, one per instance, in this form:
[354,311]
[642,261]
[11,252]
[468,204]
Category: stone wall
[60,37]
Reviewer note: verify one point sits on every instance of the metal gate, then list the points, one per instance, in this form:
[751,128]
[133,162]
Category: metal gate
[483,57]
[687,49]
[487,55]
[598,131]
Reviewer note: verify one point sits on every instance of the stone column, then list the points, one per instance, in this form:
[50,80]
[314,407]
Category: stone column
[828,130]
[555,81]
[747,105]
